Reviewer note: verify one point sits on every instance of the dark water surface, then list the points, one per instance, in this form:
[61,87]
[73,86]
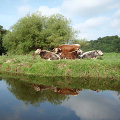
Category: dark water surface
[25,101]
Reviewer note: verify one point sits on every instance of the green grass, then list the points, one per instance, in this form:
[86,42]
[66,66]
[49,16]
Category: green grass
[107,66]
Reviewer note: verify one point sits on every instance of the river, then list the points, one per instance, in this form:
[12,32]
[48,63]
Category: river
[27,101]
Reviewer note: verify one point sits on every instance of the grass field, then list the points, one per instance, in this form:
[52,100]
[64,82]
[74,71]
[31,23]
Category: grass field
[107,66]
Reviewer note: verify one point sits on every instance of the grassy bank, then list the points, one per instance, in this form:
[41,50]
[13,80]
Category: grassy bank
[107,66]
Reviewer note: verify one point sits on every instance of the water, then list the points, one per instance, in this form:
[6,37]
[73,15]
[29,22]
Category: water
[25,101]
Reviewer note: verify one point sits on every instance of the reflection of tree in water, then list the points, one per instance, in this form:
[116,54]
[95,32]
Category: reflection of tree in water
[0,78]
[25,92]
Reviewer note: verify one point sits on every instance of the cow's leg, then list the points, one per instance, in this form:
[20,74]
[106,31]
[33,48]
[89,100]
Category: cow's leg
[94,58]
[48,59]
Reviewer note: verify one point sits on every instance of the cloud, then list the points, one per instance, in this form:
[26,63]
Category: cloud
[48,11]
[90,105]
[92,27]
[115,22]
[117,13]
[22,10]
[89,7]
[92,23]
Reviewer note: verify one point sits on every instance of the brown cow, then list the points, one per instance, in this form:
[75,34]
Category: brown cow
[66,48]
[71,55]
[47,55]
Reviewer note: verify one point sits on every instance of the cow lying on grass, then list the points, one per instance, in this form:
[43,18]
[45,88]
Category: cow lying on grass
[47,55]
[71,55]
[66,48]
[91,54]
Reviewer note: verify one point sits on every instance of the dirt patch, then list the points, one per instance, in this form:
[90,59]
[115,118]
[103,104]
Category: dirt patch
[68,72]
[24,65]
[60,66]
[9,60]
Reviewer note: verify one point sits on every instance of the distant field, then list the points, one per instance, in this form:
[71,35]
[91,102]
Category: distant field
[107,66]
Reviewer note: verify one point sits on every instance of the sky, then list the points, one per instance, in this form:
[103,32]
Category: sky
[93,18]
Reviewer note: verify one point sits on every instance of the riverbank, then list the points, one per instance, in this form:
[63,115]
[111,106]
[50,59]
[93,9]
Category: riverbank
[107,66]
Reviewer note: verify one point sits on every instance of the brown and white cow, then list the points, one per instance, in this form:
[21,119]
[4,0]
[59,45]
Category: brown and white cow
[47,55]
[66,48]
[91,54]
[71,55]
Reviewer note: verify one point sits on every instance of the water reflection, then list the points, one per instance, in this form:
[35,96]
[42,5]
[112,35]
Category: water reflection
[90,105]
[23,100]
[34,94]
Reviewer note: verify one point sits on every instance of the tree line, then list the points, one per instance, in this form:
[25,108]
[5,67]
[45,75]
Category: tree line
[106,44]
[37,31]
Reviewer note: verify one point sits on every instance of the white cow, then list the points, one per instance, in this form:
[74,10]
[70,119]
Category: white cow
[91,54]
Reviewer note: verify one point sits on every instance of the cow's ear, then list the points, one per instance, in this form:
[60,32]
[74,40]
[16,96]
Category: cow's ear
[76,50]
[97,51]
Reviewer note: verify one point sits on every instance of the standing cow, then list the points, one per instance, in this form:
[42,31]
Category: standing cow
[47,55]
[66,48]
[91,54]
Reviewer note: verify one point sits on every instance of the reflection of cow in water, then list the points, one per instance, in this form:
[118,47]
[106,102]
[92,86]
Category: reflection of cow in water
[63,91]
[67,91]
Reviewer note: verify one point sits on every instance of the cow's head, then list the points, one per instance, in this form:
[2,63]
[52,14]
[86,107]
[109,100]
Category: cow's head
[99,52]
[37,52]
[57,50]
[79,52]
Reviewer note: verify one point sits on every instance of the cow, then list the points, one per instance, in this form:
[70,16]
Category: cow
[66,48]
[71,55]
[91,54]
[47,55]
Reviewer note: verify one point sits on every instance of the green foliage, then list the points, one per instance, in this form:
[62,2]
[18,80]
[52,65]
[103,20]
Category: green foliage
[37,31]
[2,33]
[106,44]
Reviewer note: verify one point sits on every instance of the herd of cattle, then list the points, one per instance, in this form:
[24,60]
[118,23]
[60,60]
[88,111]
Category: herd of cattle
[68,52]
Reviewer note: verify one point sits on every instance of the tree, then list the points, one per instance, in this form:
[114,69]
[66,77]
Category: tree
[37,31]
[2,33]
